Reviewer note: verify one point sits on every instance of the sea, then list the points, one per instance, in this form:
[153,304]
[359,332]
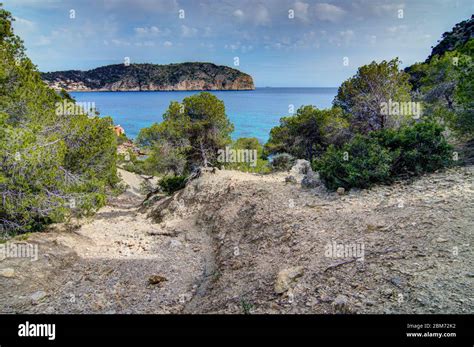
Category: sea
[254,113]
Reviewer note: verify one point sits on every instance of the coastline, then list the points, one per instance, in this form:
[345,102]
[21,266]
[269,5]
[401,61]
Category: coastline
[152,91]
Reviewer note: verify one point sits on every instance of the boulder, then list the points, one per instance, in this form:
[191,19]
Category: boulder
[341,191]
[301,167]
[286,278]
[311,180]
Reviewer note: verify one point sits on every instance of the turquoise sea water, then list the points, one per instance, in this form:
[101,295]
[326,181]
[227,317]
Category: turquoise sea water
[253,113]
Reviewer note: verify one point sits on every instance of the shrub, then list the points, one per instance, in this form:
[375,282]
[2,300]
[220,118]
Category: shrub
[282,162]
[54,164]
[171,184]
[190,135]
[417,149]
[359,163]
[446,88]
[130,162]
[308,133]
[361,96]
[384,156]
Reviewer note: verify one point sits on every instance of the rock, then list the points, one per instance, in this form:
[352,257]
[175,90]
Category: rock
[311,180]
[341,303]
[157,279]
[301,167]
[440,239]
[8,273]
[36,297]
[290,179]
[175,243]
[396,281]
[325,298]
[470,274]
[286,278]
[369,302]
[374,227]
[340,191]
[299,170]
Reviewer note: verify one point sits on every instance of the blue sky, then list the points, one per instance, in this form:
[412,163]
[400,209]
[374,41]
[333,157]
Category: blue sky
[307,49]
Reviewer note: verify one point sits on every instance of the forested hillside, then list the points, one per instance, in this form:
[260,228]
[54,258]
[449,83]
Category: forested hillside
[53,164]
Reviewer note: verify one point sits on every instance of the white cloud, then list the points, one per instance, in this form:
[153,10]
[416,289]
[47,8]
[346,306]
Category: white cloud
[168,44]
[261,15]
[239,47]
[379,7]
[207,45]
[372,39]
[239,14]
[24,22]
[341,38]
[43,41]
[256,14]
[397,29]
[208,32]
[118,42]
[147,30]
[346,36]
[144,44]
[23,26]
[188,31]
[301,10]
[383,9]
[328,12]
[308,40]
[33,3]
[143,5]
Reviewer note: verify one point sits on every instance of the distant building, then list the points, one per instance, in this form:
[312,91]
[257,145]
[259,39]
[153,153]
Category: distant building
[119,131]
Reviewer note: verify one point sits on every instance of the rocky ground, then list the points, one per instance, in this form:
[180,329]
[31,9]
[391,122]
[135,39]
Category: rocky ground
[232,242]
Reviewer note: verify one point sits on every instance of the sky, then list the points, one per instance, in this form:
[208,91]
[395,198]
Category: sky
[281,43]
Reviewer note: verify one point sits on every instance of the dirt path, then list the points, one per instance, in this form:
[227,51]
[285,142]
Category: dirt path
[218,246]
[417,241]
[106,264]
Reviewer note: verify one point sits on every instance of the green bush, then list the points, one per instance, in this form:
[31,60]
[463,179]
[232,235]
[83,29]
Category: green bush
[54,164]
[417,149]
[190,135]
[308,133]
[385,155]
[359,163]
[130,162]
[171,184]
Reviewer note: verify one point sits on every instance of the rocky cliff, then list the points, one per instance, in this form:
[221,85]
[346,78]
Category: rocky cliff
[151,77]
